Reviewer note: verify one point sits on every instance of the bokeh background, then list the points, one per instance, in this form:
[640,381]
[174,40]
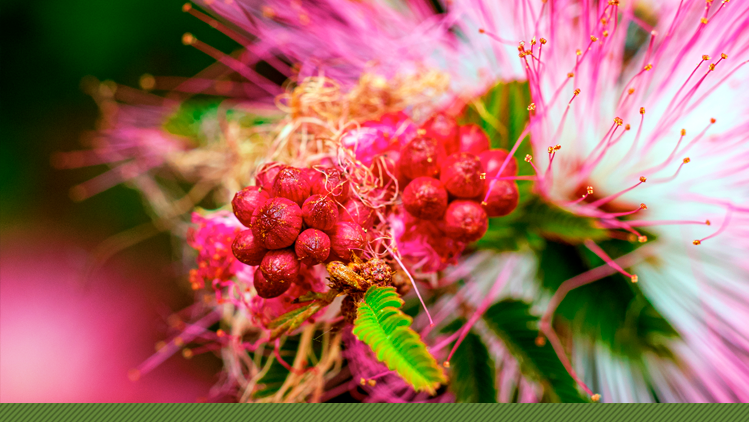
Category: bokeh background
[63,339]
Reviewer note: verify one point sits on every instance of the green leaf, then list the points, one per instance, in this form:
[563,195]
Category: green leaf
[381,325]
[472,369]
[613,310]
[513,323]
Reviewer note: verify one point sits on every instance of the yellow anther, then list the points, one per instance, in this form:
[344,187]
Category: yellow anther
[643,207]
[590,190]
[723,56]
[705,57]
[578,52]
[683,132]
[532,107]
[542,41]
[631,91]
[703,21]
[712,120]
[528,158]
[712,66]
[707,222]
[618,121]
[696,242]
[627,127]
[605,33]
[643,179]
[186,7]
[686,160]
[642,110]
[540,341]
[557,147]
[577,91]
[187,353]
[593,38]
[550,149]
[596,397]
[634,278]
[648,66]
[446,364]
[188,39]
[642,239]
[570,75]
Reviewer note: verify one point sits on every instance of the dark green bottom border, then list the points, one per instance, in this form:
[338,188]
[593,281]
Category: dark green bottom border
[374,412]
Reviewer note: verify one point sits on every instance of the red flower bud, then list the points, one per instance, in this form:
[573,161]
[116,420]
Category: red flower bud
[331,182]
[320,212]
[503,198]
[492,161]
[268,289]
[291,184]
[346,239]
[465,221]
[280,266]
[277,223]
[312,247]
[461,175]
[473,139]
[445,131]
[356,212]
[266,175]
[425,198]
[247,248]
[422,156]
[246,201]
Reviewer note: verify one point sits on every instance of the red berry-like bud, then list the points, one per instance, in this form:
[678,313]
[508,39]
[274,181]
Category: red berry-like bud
[331,182]
[425,198]
[312,247]
[268,289]
[473,139]
[320,212]
[492,161]
[280,266]
[461,175]
[277,223]
[355,211]
[422,157]
[246,201]
[346,239]
[465,221]
[445,131]
[385,166]
[291,184]
[247,248]
[266,175]
[503,198]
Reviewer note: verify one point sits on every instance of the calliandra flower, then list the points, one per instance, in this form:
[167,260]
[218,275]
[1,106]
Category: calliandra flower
[609,118]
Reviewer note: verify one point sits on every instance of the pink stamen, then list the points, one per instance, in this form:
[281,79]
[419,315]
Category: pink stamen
[610,198]
[499,283]
[604,256]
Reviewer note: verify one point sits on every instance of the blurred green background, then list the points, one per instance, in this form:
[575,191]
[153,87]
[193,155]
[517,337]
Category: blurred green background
[47,48]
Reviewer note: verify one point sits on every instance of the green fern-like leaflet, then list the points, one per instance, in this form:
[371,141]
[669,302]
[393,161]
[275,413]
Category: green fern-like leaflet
[383,327]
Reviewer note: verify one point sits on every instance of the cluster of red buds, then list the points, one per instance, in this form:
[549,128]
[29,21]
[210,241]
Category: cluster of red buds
[297,216]
[450,169]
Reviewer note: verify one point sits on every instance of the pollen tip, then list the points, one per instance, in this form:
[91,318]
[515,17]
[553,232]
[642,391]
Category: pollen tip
[643,207]
[186,7]
[643,179]
[187,353]
[642,110]
[634,278]
[540,341]
[188,39]
[362,381]
[642,239]
[712,120]
[557,147]
[528,158]
[707,222]
[446,364]
[220,332]
[596,398]
[683,132]
[481,30]
[686,160]
[372,383]
[696,242]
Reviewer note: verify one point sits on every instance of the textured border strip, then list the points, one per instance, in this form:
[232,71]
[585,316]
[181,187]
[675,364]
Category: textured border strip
[373,412]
